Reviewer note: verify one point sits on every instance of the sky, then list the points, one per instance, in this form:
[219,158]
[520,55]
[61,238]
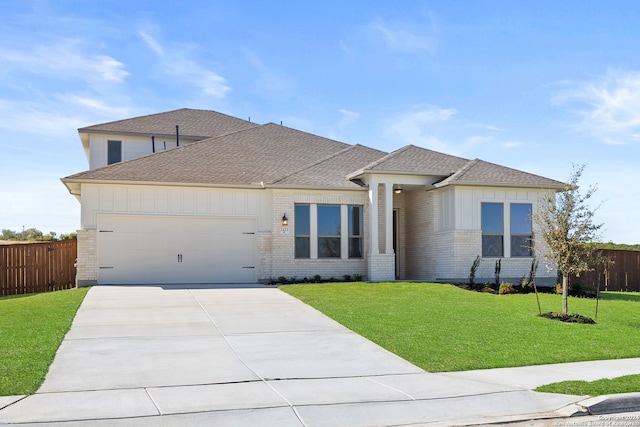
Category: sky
[539,86]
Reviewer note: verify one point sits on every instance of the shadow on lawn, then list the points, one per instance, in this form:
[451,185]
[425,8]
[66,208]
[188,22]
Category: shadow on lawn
[633,297]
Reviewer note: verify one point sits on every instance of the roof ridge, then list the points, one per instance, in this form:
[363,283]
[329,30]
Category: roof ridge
[388,156]
[324,159]
[158,114]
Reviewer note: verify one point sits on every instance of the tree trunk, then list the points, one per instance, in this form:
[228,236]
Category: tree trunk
[565,293]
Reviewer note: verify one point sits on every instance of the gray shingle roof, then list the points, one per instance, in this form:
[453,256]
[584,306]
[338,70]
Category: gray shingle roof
[412,159]
[240,153]
[192,123]
[261,154]
[333,170]
[479,172]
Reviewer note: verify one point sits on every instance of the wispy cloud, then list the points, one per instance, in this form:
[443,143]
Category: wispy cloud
[34,118]
[178,63]
[609,107]
[416,127]
[269,82]
[65,59]
[403,37]
[348,117]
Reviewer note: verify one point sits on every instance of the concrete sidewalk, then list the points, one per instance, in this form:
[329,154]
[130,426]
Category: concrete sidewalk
[253,355]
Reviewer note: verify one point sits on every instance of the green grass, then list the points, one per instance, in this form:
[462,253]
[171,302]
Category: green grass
[31,330]
[444,328]
[626,384]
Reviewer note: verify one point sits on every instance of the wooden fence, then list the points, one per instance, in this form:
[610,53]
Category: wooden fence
[27,268]
[623,275]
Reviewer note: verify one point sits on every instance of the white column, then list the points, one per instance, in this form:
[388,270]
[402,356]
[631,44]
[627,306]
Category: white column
[388,218]
[373,216]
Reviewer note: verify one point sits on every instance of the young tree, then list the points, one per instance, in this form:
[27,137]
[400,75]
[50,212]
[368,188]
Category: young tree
[566,226]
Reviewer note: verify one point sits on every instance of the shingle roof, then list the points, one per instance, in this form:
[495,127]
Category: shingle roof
[479,172]
[240,153]
[333,170]
[192,123]
[412,159]
[260,154]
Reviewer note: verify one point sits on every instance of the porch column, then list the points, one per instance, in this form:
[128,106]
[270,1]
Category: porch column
[373,217]
[388,218]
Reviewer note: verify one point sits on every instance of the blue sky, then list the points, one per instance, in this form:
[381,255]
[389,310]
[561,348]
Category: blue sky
[537,85]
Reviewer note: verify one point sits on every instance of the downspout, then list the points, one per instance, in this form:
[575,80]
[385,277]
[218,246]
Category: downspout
[153,144]
[177,137]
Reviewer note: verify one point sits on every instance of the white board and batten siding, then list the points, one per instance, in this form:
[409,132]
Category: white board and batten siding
[161,235]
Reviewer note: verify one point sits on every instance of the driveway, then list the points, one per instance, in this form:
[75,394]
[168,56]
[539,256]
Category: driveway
[245,355]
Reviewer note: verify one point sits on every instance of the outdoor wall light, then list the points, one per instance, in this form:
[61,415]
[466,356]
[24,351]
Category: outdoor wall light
[285,220]
[397,190]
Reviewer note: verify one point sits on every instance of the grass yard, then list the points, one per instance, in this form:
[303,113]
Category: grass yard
[444,328]
[626,384]
[31,330]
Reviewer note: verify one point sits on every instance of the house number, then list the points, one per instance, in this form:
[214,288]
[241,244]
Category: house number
[284,231]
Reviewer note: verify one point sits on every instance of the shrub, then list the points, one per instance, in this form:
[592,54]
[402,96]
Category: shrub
[506,288]
[357,277]
[347,278]
[474,268]
[317,278]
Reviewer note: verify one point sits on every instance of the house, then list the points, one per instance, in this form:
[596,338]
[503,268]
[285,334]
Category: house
[195,196]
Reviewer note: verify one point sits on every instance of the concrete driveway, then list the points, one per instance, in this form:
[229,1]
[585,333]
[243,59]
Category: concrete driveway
[245,355]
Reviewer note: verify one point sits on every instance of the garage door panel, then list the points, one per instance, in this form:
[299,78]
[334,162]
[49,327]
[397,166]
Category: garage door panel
[147,250]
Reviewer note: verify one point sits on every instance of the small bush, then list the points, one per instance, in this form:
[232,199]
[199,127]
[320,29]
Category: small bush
[317,278]
[357,277]
[347,278]
[283,280]
[506,288]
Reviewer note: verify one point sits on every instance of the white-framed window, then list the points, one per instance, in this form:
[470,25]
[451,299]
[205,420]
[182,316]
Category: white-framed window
[355,231]
[492,219]
[521,230]
[302,231]
[328,231]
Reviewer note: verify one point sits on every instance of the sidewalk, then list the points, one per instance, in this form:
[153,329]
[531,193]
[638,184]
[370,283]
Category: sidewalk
[142,356]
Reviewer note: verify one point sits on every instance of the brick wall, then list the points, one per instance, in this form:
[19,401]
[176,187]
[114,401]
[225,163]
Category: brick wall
[87,263]
[278,257]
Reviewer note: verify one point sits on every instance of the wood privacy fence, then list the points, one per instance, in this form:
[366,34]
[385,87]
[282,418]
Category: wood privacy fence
[623,275]
[27,268]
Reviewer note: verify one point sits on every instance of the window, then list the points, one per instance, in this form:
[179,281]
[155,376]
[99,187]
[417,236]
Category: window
[355,231]
[114,152]
[521,231]
[328,231]
[302,231]
[492,217]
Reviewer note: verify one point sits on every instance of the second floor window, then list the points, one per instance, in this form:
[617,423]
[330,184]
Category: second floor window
[114,152]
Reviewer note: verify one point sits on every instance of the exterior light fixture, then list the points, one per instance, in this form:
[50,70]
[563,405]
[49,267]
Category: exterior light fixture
[285,220]
[397,190]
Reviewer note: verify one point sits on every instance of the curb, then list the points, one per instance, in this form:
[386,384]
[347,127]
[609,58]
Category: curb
[607,404]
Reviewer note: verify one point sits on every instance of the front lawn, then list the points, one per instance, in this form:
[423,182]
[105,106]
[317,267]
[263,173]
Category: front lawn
[626,384]
[31,330]
[444,328]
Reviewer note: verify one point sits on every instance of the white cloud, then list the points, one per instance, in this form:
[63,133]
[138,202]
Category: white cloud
[348,117]
[512,144]
[32,118]
[65,59]
[609,107]
[417,127]
[479,139]
[178,63]
[402,37]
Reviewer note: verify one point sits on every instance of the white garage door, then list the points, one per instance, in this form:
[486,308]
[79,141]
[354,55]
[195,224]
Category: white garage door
[163,250]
